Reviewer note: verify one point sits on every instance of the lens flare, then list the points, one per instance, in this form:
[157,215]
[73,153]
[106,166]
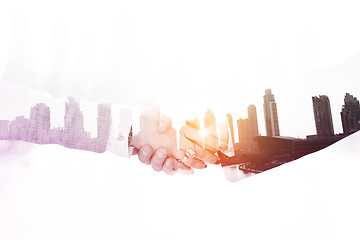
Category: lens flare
[203,132]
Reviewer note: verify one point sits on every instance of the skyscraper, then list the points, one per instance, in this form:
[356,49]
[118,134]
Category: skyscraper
[323,117]
[39,123]
[248,129]
[350,114]
[270,114]
[253,123]
[73,124]
[231,127]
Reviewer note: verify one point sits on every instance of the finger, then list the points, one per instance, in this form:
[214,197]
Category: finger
[192,132]
[158,159]
[165,124]
[205,155]
[135,151]
[177,153]
[201,153]
[145,154]
[168,166]
[211,143]
[195,163]
[224,136]
[188,142]
[184,142]
[182,168]
[211,140]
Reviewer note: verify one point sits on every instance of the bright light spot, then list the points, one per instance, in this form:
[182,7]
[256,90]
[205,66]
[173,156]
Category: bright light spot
[203,132]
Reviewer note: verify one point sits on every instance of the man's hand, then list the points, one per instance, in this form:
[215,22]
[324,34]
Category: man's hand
[159,160]
[204,145]
[157,144]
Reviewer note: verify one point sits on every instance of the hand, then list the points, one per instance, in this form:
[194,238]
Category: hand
[157,144]
[205,146]
[159,161]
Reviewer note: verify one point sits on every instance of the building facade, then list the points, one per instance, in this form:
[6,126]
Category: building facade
[248,129]
[271,114]
[322,115]
[350,114]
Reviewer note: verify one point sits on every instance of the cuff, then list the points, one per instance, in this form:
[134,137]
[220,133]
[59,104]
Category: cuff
[124,125]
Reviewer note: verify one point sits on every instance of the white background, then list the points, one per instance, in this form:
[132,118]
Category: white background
[186,56]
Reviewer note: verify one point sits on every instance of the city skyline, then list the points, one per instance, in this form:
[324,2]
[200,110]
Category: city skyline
[36,129]
[323,122]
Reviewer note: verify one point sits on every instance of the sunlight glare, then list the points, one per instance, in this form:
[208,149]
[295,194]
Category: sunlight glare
[203,132]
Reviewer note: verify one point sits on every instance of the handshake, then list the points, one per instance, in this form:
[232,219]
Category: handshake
[156,143]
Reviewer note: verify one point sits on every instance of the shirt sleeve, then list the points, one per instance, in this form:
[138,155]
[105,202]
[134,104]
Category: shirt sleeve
[123,124]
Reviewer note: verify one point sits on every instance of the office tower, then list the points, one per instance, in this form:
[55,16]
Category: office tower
[231,127]
[322,115]
[270,114]
[73,124]
[248,129]
[5,130]
[242,127]
[20,129]
[350,114]
[39,123]
[252,121]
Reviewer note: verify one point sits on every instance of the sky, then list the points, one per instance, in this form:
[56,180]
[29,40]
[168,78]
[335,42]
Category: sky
[186,56]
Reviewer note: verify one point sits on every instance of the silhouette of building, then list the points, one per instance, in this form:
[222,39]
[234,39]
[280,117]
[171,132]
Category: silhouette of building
[20,129]
[271,114]
[36,129]
[253,122]
[248,129]
[231,127]
[56,136]
[350,114]
[39,124]
[4,129]
[73,124]
[322,115]
[242,130]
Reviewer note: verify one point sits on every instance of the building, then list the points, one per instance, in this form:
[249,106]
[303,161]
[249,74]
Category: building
[5,130]
[322,116]
[231,127]
[20,129]
[73,125]
[271,114]
[39,123]
[253,122]
[248,129]
[350,114]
